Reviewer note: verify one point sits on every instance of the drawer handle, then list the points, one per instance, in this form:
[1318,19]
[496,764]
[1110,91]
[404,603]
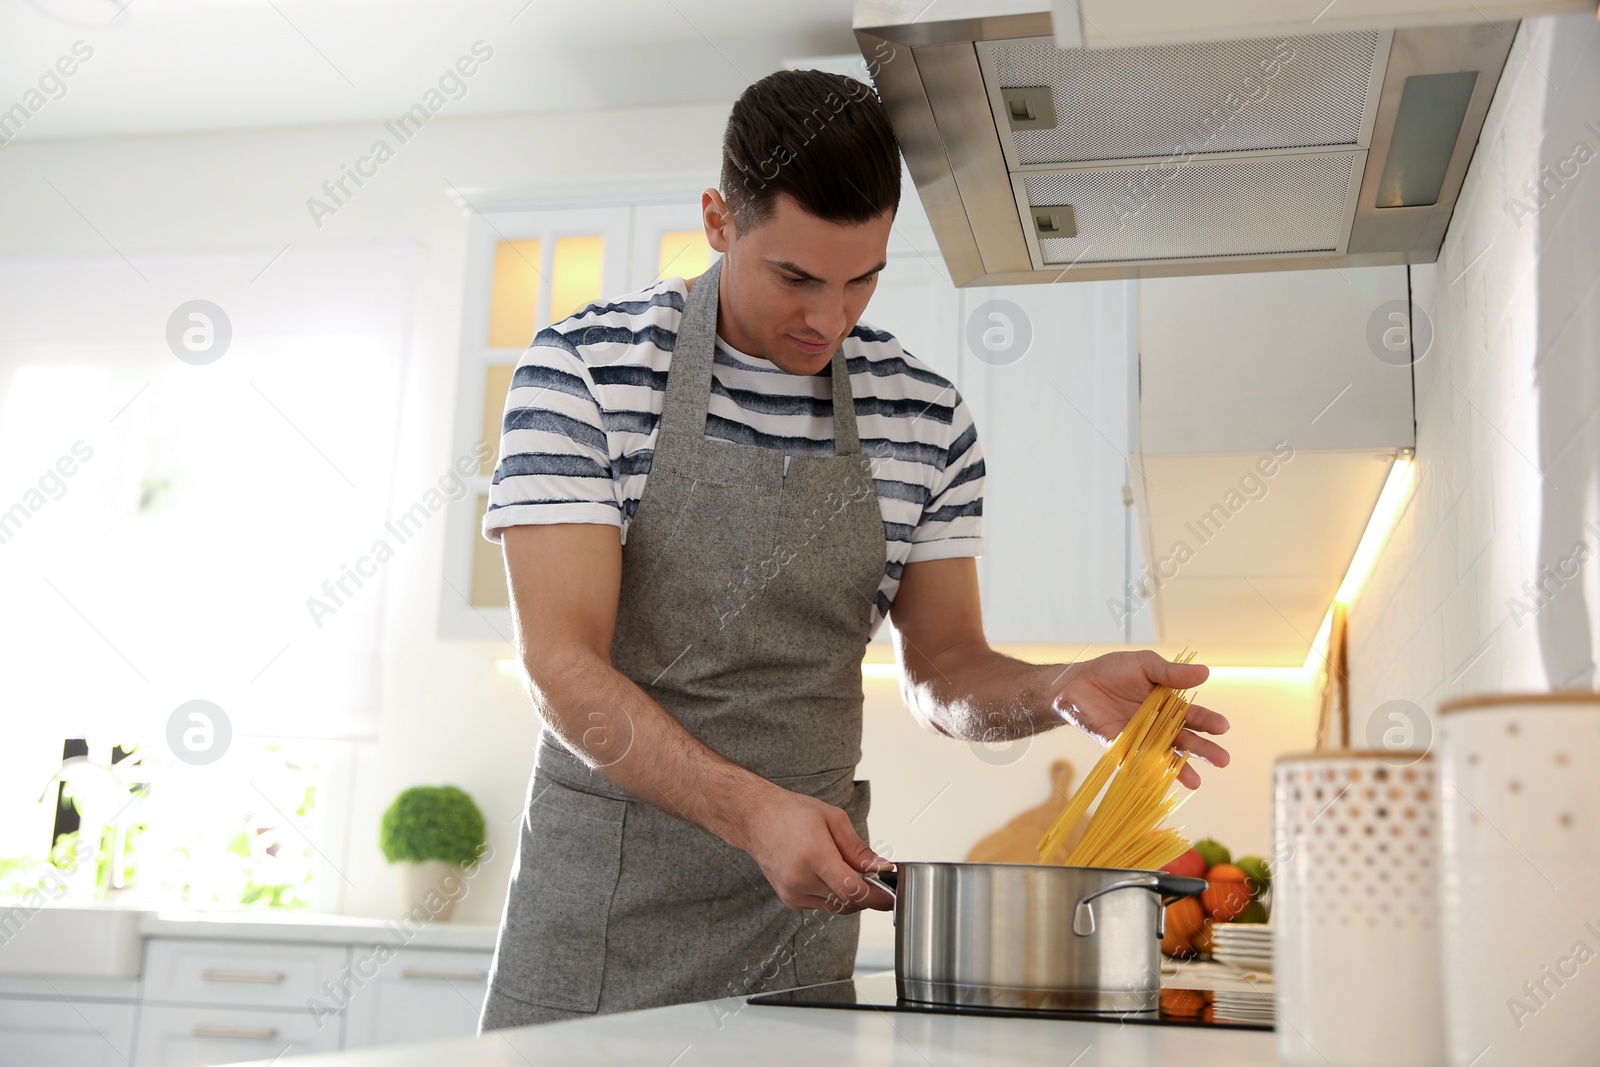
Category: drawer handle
[441,973]
[264,977]
[248,1033]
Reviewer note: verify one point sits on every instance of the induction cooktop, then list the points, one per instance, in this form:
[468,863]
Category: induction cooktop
[1179,1007]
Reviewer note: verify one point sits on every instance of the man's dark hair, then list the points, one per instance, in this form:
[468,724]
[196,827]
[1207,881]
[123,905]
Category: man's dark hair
[824,139]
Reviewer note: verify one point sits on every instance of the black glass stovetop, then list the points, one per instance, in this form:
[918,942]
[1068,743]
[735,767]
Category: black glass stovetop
[876,992]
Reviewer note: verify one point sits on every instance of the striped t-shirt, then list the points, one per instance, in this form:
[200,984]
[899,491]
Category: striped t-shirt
[584,409]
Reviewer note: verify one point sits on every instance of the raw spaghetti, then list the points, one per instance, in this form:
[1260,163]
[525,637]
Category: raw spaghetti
[1136,773]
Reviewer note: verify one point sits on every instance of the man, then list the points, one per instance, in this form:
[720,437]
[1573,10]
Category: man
[709,494]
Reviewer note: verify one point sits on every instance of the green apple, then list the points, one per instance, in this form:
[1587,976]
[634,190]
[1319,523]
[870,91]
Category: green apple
[1215,852]
[1255,868]
[1254,912]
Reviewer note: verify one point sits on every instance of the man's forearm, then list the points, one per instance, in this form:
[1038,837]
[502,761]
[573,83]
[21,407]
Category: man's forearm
[612,725]
[978,694]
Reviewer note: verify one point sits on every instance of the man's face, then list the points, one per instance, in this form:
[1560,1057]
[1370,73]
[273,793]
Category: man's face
[793,287]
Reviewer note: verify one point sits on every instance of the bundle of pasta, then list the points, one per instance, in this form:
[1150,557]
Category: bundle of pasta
[1136,773]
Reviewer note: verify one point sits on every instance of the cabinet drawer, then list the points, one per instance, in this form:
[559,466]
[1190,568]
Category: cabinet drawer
[417,995]
[243,973]
[202,1036]
[60,1033]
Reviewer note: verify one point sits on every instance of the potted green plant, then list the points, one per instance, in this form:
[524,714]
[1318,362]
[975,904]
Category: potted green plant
[432,832]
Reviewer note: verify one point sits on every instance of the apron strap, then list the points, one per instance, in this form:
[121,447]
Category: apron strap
[683,410]
[845,441]
[688,396]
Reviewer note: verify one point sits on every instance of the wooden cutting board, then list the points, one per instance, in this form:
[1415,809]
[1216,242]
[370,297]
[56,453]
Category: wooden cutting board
[1017,840]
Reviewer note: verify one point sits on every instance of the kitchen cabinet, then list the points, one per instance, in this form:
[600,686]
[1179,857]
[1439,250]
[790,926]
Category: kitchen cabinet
[1055,428]
[1052,400]
[1240,362]
[222,989]
[203,1036]
[519,281]
[219,1001]
[415,995]
[1175,388]
[1271,409]
[50,1031]
[244,974]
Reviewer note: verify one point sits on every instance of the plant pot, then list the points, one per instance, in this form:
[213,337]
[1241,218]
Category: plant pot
[429,890]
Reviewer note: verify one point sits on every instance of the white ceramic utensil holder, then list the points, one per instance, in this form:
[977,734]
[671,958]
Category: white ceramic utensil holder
[1355,912]
[1521,853]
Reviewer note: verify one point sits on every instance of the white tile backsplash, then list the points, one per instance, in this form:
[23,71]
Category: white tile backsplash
[1508,410]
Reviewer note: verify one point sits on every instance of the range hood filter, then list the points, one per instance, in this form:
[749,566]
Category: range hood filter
[1204,96]
[1235,207]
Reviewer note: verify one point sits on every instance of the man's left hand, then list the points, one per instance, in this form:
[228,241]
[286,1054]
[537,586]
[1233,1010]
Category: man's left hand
[1100,696]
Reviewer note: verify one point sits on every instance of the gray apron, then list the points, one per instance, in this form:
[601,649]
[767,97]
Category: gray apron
[747,586]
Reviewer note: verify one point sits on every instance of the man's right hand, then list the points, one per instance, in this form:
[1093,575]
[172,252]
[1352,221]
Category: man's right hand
[810,853]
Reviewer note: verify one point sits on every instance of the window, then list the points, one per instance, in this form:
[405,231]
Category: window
[173,531]
[141,827]
[169,527]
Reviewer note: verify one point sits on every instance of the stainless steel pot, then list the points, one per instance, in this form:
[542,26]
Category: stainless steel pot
[1031,935]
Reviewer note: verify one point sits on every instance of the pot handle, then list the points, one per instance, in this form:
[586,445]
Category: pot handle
[1169,887]
[889,882]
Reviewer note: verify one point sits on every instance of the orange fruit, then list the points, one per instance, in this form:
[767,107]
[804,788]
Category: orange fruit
[1183,919]
[1227,892]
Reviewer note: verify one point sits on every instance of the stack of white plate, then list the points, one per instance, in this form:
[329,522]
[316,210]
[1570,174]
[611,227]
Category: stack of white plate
[1246,946]
[1240,995]
[1253,1007]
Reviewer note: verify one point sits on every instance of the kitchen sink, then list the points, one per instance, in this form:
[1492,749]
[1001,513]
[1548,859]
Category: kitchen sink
[76,942]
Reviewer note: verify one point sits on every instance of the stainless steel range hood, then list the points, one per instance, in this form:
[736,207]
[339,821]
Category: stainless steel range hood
[1040,164]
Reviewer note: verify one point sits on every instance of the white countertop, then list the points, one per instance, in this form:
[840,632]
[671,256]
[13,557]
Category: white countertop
[728,1033]
[317,927]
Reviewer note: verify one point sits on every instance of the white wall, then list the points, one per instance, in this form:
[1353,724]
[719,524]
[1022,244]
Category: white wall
[1508,410]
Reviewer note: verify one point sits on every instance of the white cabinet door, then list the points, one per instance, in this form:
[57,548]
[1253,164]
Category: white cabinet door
[203,1037]
[1055,425]
[250,974]
[417,995]
[56,1033]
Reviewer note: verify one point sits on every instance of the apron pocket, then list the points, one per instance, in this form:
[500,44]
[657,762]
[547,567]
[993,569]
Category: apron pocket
[554,941]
